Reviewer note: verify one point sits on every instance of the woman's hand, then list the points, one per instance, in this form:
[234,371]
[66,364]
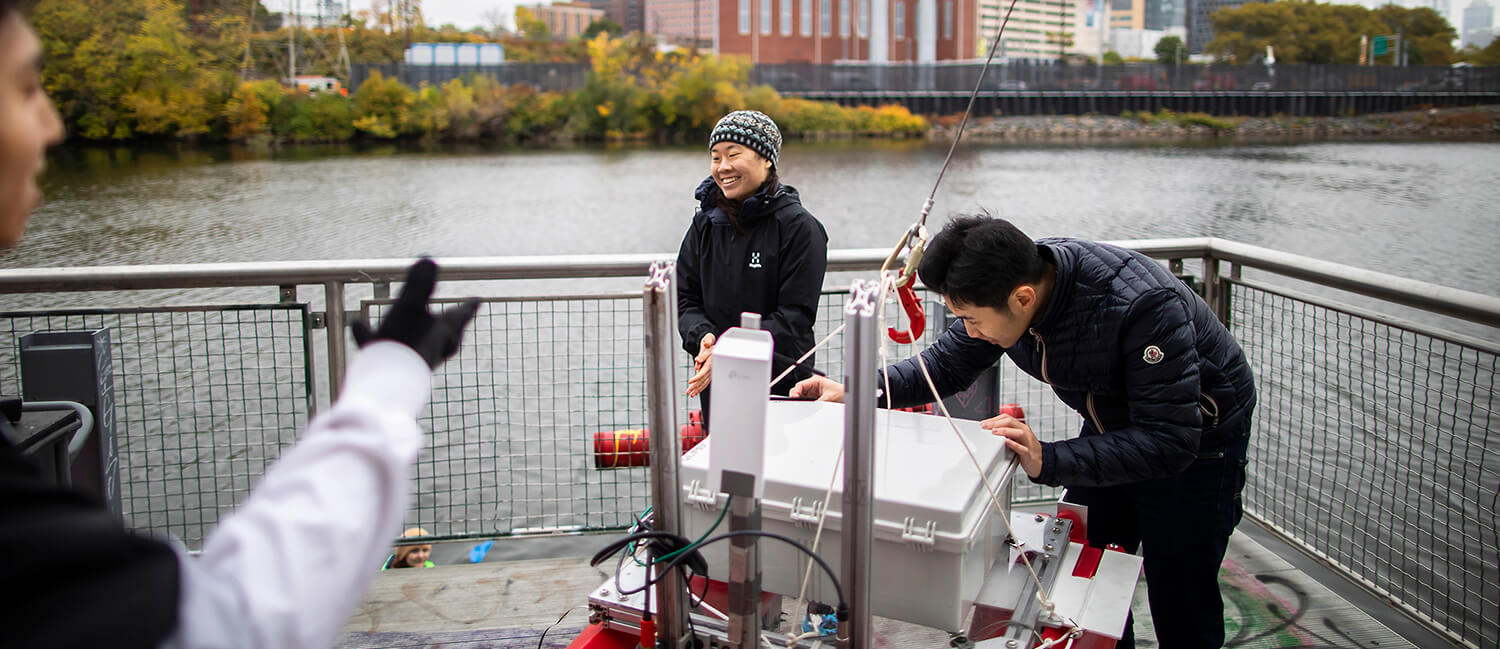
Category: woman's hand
[703,365]
[1019,439]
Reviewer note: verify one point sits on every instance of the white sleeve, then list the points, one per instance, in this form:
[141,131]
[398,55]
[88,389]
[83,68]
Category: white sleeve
[288,568]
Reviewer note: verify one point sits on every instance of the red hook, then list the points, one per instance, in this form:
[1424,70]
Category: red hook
[913,308]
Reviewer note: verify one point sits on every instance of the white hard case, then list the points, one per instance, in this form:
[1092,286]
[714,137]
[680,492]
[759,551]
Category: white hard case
[935,531]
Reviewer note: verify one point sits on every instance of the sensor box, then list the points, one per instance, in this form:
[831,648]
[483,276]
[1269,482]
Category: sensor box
[936,534]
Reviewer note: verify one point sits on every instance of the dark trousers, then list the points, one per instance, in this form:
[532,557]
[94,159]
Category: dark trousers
[1183,524]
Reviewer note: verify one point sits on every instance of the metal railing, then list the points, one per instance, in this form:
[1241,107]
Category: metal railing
[1016,75]
[1372,447]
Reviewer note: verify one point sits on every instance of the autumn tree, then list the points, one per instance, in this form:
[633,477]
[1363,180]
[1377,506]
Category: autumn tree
[1308,32]
[1169,49]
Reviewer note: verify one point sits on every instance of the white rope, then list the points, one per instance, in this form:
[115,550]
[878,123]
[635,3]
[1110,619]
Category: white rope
[818,535]
[806,356]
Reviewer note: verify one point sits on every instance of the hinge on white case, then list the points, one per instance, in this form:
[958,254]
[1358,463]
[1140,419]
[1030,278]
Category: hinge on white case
[700,495]
[805,516]
[921,538]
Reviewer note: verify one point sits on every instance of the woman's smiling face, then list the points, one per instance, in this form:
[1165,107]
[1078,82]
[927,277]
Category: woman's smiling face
[737,170]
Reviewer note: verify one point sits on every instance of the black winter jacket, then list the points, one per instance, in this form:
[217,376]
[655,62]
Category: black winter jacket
[76,576]
[775,269]
[1157,378]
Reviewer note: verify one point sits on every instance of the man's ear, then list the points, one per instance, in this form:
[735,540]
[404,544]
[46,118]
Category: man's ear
[1024,297]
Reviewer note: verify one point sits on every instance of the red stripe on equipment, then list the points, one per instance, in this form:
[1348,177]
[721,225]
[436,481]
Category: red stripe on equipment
[1088,562]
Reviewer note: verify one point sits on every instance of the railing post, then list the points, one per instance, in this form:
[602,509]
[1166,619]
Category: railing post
[1215,292]
[857,528]
[334,320]
[660,299]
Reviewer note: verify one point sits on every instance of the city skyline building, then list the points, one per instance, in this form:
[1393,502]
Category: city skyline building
[566,20]
[826,31]
[687,23]
[1041,30]
[1199,30]
[1479,23]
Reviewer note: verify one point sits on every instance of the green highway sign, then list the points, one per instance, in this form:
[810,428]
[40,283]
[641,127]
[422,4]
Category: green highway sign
[1380,46]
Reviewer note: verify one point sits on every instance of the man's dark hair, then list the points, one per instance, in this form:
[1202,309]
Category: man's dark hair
[7,6]
[978,260]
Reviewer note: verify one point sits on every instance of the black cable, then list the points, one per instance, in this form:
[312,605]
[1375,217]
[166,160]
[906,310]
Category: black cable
[549,627]
[677,560]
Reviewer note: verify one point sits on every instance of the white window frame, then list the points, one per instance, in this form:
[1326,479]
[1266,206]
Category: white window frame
[862,11]
[744,16]
[786,17]
[807,14]
[825,11]
[844,18]
[947,20]
[900,29]
[767,17]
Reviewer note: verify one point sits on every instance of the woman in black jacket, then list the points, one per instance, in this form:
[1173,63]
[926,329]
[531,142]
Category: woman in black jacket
[751,247]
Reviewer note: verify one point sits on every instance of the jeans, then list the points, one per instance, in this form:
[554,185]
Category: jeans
[1182,524]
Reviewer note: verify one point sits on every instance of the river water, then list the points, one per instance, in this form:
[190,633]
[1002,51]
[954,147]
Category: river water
[1421,210]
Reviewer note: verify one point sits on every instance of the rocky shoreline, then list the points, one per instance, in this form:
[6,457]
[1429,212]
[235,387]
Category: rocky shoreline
[1479,123]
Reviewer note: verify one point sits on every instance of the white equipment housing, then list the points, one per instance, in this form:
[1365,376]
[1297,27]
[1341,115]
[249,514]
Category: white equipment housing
[741,381]
[935,531]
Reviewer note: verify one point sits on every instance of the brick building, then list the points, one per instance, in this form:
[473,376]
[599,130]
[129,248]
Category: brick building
[566,19]
[825,31]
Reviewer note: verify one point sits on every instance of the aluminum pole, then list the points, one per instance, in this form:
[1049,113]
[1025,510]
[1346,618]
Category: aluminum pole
[334,321]
[857,527]
[660,298]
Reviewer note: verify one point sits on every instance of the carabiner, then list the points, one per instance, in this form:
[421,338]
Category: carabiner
[916,318]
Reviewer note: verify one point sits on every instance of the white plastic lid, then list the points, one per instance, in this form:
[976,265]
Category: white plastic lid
[922,471]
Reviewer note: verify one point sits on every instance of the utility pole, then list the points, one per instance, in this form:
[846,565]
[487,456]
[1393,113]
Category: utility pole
[291,43]
[1103,33]
[248,65]
[343,62]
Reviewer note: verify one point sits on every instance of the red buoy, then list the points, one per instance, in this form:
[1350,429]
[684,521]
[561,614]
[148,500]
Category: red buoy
[631,446]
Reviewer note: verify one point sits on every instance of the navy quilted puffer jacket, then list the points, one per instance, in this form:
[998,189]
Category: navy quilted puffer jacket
[1157,378]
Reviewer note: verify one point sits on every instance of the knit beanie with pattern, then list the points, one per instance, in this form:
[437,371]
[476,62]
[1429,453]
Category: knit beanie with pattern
[750,128]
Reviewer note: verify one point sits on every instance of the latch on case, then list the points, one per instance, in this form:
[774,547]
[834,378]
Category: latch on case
[921,538]
[805,516]
[700,495]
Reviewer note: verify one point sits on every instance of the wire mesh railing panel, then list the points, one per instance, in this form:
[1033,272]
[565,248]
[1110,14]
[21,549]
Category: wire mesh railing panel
[513,414]
[1375,446]
[205,399]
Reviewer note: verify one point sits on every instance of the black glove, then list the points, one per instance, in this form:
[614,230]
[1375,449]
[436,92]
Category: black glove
[435,338]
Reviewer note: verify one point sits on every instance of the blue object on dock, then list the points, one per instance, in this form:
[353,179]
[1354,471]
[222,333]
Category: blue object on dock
[477,554]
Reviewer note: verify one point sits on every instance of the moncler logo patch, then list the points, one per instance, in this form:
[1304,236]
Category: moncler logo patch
[755,260]
[1153,355]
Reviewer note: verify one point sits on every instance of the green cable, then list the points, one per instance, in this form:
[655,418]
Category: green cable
[691,546]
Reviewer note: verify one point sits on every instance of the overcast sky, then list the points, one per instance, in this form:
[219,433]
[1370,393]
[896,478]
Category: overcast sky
[464,13]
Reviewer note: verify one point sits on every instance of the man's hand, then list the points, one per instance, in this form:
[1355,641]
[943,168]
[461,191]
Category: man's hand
[703,366]
[435,338]
[820,387]
[1019,439]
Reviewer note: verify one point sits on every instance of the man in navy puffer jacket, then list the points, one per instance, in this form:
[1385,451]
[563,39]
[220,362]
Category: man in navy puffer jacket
[1163,388]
